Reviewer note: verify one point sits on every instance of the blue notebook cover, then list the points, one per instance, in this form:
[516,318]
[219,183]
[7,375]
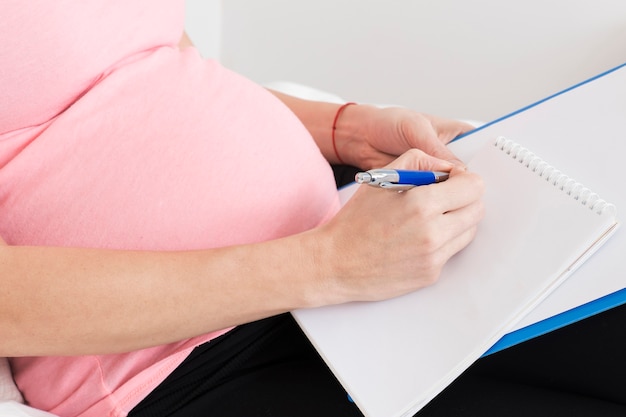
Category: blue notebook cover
[560,320]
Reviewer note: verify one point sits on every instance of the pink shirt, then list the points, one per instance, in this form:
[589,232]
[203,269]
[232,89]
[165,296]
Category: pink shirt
[116,139]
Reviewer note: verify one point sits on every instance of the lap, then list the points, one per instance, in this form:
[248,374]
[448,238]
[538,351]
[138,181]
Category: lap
[269,368]
[265,368]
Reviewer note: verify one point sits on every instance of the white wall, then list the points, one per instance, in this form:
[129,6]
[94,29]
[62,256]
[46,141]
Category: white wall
[203,23]
[468,59]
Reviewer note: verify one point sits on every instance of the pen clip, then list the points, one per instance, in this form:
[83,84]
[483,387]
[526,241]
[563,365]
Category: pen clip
[393,186]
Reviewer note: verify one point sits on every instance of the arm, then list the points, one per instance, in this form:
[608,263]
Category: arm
[371,137]
[185,41]
[69,301]
[367,136]
[317,117]
[76,301]
[65,301]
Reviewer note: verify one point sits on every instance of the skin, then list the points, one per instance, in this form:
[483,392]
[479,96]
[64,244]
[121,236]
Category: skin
[71,301]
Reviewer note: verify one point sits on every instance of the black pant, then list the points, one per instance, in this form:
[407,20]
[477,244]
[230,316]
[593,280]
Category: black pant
[268,368]
[579,370]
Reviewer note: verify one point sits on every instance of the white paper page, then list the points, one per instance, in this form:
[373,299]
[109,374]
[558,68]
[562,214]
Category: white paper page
[581,132]
[396,355]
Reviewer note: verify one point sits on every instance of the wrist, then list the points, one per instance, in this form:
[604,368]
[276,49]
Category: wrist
[349,133]
[322,265]
[334,134]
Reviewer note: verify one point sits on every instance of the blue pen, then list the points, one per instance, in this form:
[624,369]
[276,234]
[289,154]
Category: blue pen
[399,180]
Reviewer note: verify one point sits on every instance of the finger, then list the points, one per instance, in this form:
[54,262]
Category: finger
[451,235]
[448,129]
[460,190]
[458,170]
[457,244]
[454,223]
[457,229]
[439,150]
[454,129]
[417,159]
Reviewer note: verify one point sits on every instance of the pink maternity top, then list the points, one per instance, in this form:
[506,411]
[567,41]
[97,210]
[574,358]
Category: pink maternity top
[112,137]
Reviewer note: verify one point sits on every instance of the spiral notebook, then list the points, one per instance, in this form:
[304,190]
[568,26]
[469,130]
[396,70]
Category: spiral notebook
[394,356]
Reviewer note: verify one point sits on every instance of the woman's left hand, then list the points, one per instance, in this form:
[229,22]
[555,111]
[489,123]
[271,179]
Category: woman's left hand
[371,137]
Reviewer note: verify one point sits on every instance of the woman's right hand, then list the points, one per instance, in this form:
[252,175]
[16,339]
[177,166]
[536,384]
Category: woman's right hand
[384,244]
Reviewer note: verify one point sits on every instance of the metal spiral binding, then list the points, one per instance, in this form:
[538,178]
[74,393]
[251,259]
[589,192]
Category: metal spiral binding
[568,185]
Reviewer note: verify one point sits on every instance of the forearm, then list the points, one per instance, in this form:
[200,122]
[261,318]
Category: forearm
[185,41]
[81,301]
[318,118]
[370,137]
[65,301]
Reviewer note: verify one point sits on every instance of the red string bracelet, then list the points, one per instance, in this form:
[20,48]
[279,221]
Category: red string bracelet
[339,110]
